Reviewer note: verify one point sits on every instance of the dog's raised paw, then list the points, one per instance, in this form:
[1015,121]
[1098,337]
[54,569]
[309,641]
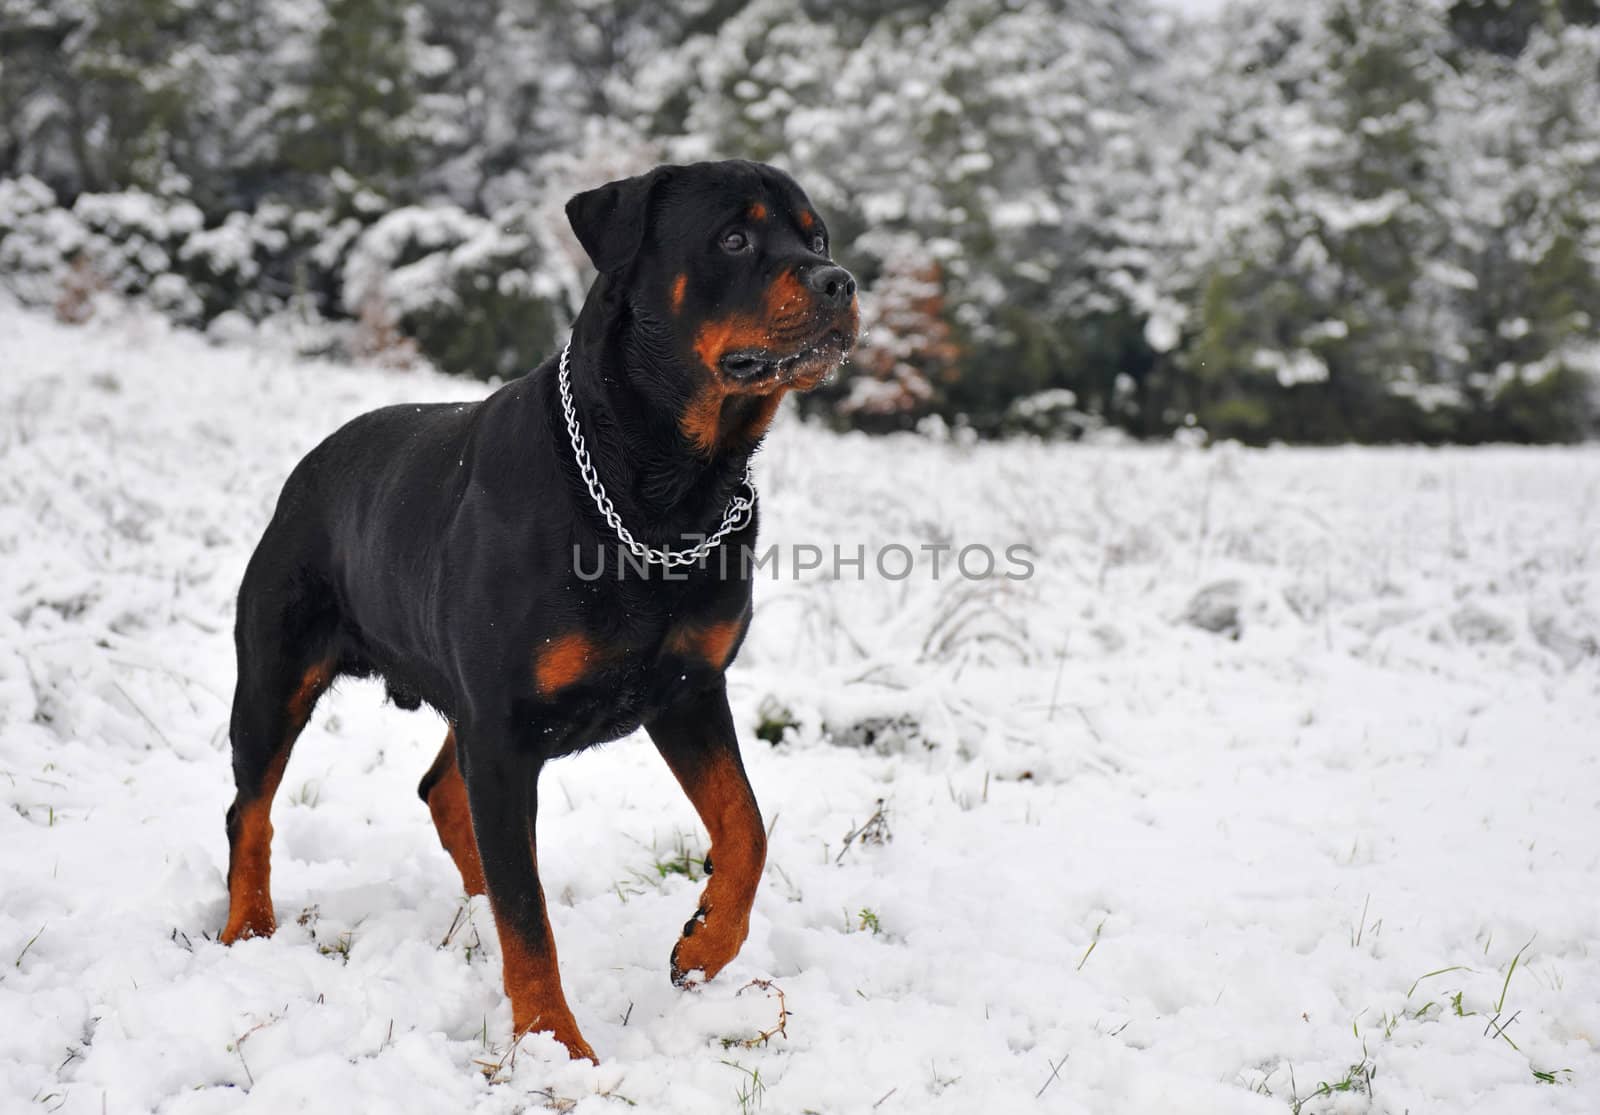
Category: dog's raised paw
[688,979]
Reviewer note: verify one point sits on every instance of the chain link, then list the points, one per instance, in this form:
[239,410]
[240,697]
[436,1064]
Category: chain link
[738,514]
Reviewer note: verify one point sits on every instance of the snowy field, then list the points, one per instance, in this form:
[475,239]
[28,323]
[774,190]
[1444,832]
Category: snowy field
[1340,855]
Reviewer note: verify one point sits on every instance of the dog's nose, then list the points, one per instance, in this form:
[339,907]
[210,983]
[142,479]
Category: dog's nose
[836,285]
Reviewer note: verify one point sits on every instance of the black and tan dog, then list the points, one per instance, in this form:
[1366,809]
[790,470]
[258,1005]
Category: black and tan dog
[437,547]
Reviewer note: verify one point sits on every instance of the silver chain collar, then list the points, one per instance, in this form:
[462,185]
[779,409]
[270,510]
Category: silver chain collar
[738,514]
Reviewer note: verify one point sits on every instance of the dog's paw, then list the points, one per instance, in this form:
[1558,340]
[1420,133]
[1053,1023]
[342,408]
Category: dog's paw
[254,924]
[577,1048]
[690,978]
[565,1031]
[707,945]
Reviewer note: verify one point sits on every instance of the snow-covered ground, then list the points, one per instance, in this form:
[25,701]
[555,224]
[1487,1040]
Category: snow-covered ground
[1132,865]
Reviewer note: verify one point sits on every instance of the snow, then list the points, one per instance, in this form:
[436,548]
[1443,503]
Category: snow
[1280,759]
[133,211]
[411,230]
[1164,328]
[1292,368]
[227,249]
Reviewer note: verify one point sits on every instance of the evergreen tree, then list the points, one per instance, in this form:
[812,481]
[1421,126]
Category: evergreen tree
[357,93]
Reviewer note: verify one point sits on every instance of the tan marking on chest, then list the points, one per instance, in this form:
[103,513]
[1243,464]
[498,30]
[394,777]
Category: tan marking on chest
[563,661]
[711,643]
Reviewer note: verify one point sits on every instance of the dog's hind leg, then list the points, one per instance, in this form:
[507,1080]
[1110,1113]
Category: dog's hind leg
[286,662]
[445,793]
[696,738]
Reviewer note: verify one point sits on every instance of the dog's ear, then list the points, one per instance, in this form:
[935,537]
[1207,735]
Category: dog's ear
[610,220]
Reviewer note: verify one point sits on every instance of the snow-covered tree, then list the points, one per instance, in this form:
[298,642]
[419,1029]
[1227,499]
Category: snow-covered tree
[1309,219]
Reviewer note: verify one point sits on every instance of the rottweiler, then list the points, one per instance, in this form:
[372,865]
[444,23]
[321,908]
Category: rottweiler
[452,550]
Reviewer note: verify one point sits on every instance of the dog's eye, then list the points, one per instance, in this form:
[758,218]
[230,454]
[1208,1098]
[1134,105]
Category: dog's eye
[819,245]
[734,242]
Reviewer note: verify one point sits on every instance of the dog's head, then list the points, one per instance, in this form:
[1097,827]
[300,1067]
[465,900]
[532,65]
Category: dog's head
[732,264]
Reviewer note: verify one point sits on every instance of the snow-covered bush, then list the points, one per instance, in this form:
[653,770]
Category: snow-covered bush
[37,241]
[260,263]
[469,290]
[1051,414]
[125,243]
[132,240]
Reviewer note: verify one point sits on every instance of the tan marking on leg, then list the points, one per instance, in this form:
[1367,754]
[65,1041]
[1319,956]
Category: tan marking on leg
[313,683]
[250,862]
[563,661]
[722,797]
[533,984]
[447,802]
[250,847]
[680,286]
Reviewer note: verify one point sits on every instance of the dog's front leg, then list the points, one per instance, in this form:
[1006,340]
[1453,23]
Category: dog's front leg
[503,793]
[696,738]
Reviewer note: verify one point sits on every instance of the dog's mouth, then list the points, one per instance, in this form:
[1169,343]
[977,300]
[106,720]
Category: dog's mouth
[751,367]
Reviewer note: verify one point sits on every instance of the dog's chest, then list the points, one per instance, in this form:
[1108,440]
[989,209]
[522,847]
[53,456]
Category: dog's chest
[629,654]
